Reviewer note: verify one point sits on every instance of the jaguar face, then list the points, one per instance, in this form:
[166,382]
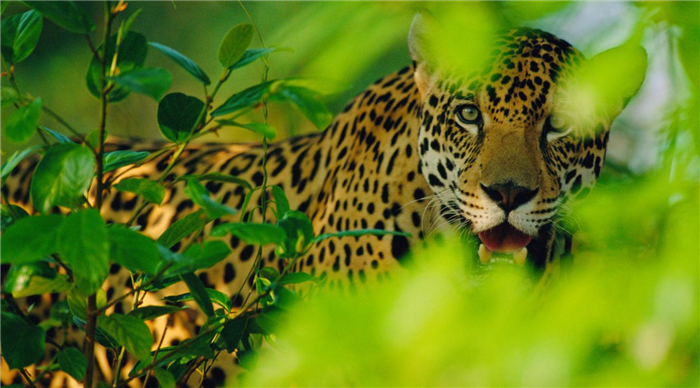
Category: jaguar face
[505,146]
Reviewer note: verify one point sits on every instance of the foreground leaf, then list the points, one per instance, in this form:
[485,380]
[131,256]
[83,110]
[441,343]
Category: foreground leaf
[20,34]
[12,162]
[198,292]
[182,228]
[34,279]
[244,99]
[178,115]
[116,159]
[25,346]
[57,136]
[73,362]
[165,378]
[66,14]
[252,233]
[133,250]
[62,177]
[216,296]
[153,82]
[359,233]
[132,55]
[234,44]
[21,125]
[183,61]
[308,102]
[84,245]
[30,239]
[150,190]
[260,128]
[147,313]
[217,177]
[200,195]
[130,332]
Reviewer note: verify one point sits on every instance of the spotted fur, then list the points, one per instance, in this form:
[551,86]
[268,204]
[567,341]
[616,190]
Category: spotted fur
[396,158]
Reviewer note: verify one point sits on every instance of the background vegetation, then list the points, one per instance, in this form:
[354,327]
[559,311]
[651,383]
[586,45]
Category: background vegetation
[626,314]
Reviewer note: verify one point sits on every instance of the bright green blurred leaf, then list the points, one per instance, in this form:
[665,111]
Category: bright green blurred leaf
[21,125]
[83,242]
[66,14]
[62,177]
[9,96]
[234,44]
[133,250]
[183,61]
[153,82]
[150,190]
[30,239]
[73,362]
[178,115]
[129,332]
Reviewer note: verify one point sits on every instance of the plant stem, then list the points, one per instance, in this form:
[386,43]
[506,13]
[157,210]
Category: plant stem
[92,299]
[25,374]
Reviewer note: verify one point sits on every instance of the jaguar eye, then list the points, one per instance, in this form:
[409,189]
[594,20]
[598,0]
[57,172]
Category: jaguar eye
[556,127]
[468,114]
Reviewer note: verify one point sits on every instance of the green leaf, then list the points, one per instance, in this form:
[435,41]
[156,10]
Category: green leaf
[34,279]
[25,345]
[183,61]
[199,292]
[116,159]
[252,233]
[297,277]
[150,190]
[28,32]
[10,214]
[165,378]
[147,313]
[233,332]
[57,136]
[132,55]
[250,56]
[217,177]
[208,253]
[234,44]
[216,296]
[130,332]
[102,337]
[153,82]
[30,239]
[182,228]
[299,231]
[308,103]
[178,116]
[126,26]
[12,162]
[359,233]
[281,201]
[261,128]
[62,177]
[21,125]
[9,96]
[244,99]
[83,244]
[133,250]
[4,5]
[73,362]
[66,14]
[200,195]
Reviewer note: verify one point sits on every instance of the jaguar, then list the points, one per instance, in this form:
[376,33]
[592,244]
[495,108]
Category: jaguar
[494,153]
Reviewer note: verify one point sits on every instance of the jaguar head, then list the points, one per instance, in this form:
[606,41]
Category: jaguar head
[505,145]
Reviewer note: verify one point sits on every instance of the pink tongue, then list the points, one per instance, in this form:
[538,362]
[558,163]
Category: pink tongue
[504,238]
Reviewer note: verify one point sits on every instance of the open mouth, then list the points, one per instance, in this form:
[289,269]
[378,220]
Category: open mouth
[503,239]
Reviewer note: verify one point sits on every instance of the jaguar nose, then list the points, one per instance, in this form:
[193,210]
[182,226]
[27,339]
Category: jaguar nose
[509,196]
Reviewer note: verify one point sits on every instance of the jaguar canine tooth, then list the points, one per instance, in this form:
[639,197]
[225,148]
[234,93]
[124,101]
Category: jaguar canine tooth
[520,256]
[484,254]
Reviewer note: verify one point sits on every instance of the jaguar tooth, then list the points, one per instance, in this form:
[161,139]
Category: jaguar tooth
[520,256]
[484,254]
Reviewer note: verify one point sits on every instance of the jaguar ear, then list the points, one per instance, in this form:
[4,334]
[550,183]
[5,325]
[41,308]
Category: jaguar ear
[614,77]
[418,44]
